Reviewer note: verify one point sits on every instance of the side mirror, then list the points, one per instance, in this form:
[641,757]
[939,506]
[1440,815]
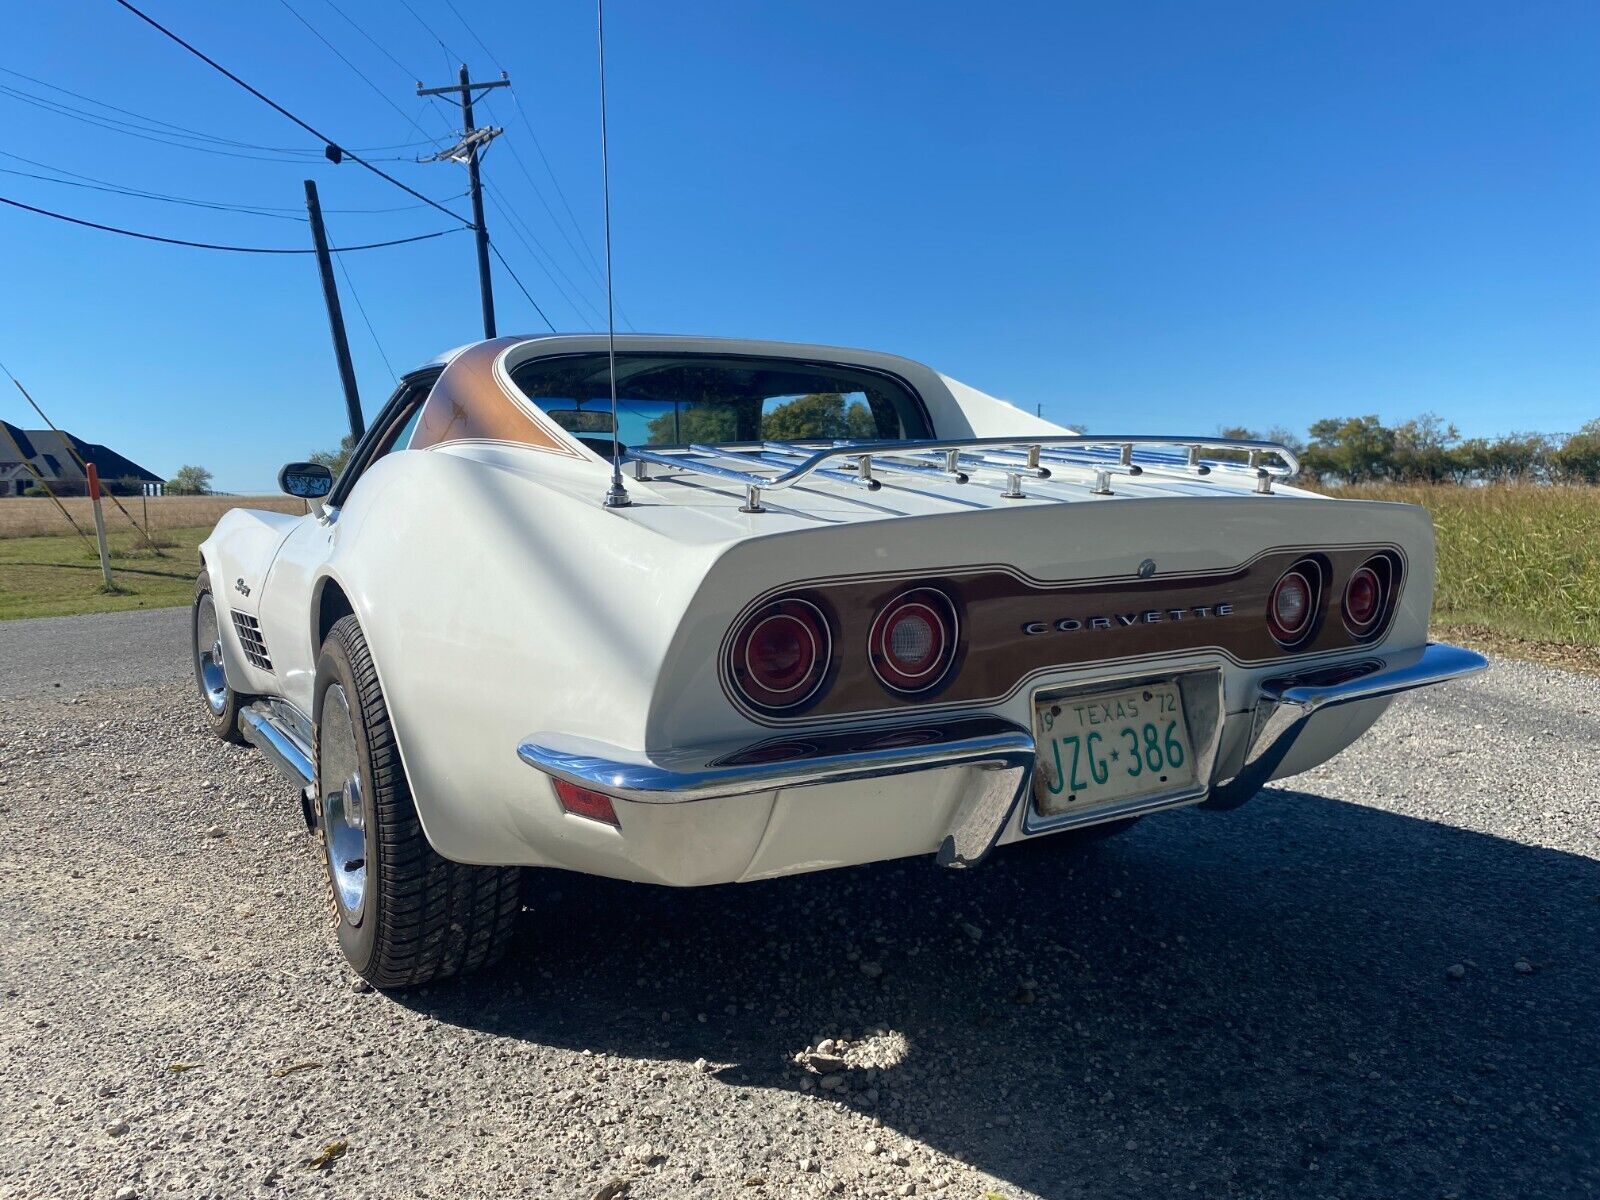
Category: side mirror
[308,481]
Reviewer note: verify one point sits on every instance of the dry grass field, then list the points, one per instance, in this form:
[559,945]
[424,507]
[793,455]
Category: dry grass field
[1519,565]
[30,516]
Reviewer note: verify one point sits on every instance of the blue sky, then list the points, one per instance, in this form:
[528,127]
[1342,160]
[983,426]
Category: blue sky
[1153,217]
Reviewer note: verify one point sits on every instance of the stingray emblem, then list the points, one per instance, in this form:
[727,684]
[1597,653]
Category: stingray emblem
[1147,568]
[240,586]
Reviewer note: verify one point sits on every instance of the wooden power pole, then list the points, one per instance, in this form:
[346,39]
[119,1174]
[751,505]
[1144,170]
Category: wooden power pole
[467,150]
[330,294]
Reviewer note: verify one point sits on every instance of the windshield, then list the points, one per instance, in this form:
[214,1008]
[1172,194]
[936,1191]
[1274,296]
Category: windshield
[675,400]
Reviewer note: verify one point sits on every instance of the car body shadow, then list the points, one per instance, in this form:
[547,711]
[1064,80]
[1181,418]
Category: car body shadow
[1221,1004]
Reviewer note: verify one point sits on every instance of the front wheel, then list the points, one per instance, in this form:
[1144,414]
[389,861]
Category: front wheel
[405,915]
[221,701]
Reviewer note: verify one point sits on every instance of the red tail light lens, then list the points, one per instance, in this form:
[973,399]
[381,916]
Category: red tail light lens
[1368,594]
[583,802]
[913,641]
[1292,606]
[1363,597]
[780,656]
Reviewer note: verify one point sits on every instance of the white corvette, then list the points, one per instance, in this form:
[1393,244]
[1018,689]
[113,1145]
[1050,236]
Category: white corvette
[834,608]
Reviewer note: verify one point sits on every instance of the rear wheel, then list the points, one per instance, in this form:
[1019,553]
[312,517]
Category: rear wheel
[405,915]
[221,701]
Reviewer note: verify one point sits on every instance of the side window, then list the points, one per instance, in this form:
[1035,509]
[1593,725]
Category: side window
[398,434]
[391,431]
[402,439]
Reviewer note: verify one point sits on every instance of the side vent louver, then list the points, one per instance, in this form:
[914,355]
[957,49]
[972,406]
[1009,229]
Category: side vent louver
[255,646]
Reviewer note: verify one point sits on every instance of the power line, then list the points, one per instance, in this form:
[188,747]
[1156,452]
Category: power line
[362,309]
[166,125]
[589,264]
[154,237]
[275,106]
[513,221]
[129,130]
[554,220]
[143,194]
[163,127]
[360,74]
[473,34]
[449,53]
[450,130]
[576,297]
[534,137]
[524,290]
[135,194]
[117,191]
[349,20]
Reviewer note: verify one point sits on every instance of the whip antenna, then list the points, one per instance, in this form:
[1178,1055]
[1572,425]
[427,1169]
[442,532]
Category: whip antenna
[616,494]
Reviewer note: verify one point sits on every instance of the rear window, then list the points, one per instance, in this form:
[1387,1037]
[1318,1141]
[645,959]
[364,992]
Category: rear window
[675,400]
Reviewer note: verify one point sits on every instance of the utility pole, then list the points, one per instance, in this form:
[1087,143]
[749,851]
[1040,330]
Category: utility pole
[467,150]
[330,294]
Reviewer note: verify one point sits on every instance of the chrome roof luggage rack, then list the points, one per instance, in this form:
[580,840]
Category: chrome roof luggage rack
[770,466]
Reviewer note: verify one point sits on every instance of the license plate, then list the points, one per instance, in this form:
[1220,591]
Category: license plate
[1096,750]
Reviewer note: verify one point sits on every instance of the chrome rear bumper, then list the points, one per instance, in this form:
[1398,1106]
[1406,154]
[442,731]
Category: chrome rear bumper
[1002,753]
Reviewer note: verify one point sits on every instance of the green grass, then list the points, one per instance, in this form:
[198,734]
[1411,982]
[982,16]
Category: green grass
[60,574]
[1521,562]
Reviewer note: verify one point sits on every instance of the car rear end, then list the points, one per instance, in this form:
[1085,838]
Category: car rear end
[942,682]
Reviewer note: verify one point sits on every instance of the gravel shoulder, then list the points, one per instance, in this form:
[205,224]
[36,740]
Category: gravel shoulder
[1257,1003]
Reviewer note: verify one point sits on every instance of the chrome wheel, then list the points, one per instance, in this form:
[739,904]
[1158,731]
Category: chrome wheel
[344,805]
[208,655]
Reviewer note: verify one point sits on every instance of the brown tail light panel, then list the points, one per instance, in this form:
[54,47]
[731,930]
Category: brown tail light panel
[1014,628]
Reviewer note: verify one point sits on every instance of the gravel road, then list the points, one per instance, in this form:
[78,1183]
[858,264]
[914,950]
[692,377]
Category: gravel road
[1379,983]
[103,650]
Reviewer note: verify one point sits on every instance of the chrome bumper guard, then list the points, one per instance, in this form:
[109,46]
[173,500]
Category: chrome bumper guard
[1003,754]
[1287,704]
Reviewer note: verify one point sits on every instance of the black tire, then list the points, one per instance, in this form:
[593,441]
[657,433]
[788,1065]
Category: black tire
[223,706]
[421,917]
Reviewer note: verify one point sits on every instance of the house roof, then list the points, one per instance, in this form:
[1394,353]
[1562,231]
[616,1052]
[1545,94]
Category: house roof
[14,444]
[56,449]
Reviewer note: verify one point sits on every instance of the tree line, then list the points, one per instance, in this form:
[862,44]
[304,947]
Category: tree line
[1427,449]
[1424,449]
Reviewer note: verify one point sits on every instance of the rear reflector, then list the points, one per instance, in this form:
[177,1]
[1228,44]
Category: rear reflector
[581,802]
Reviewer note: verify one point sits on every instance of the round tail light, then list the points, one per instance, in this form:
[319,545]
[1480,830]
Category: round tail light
[1366,595]
[913,641]
[1363,598]
[1292,606]
[780,656]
